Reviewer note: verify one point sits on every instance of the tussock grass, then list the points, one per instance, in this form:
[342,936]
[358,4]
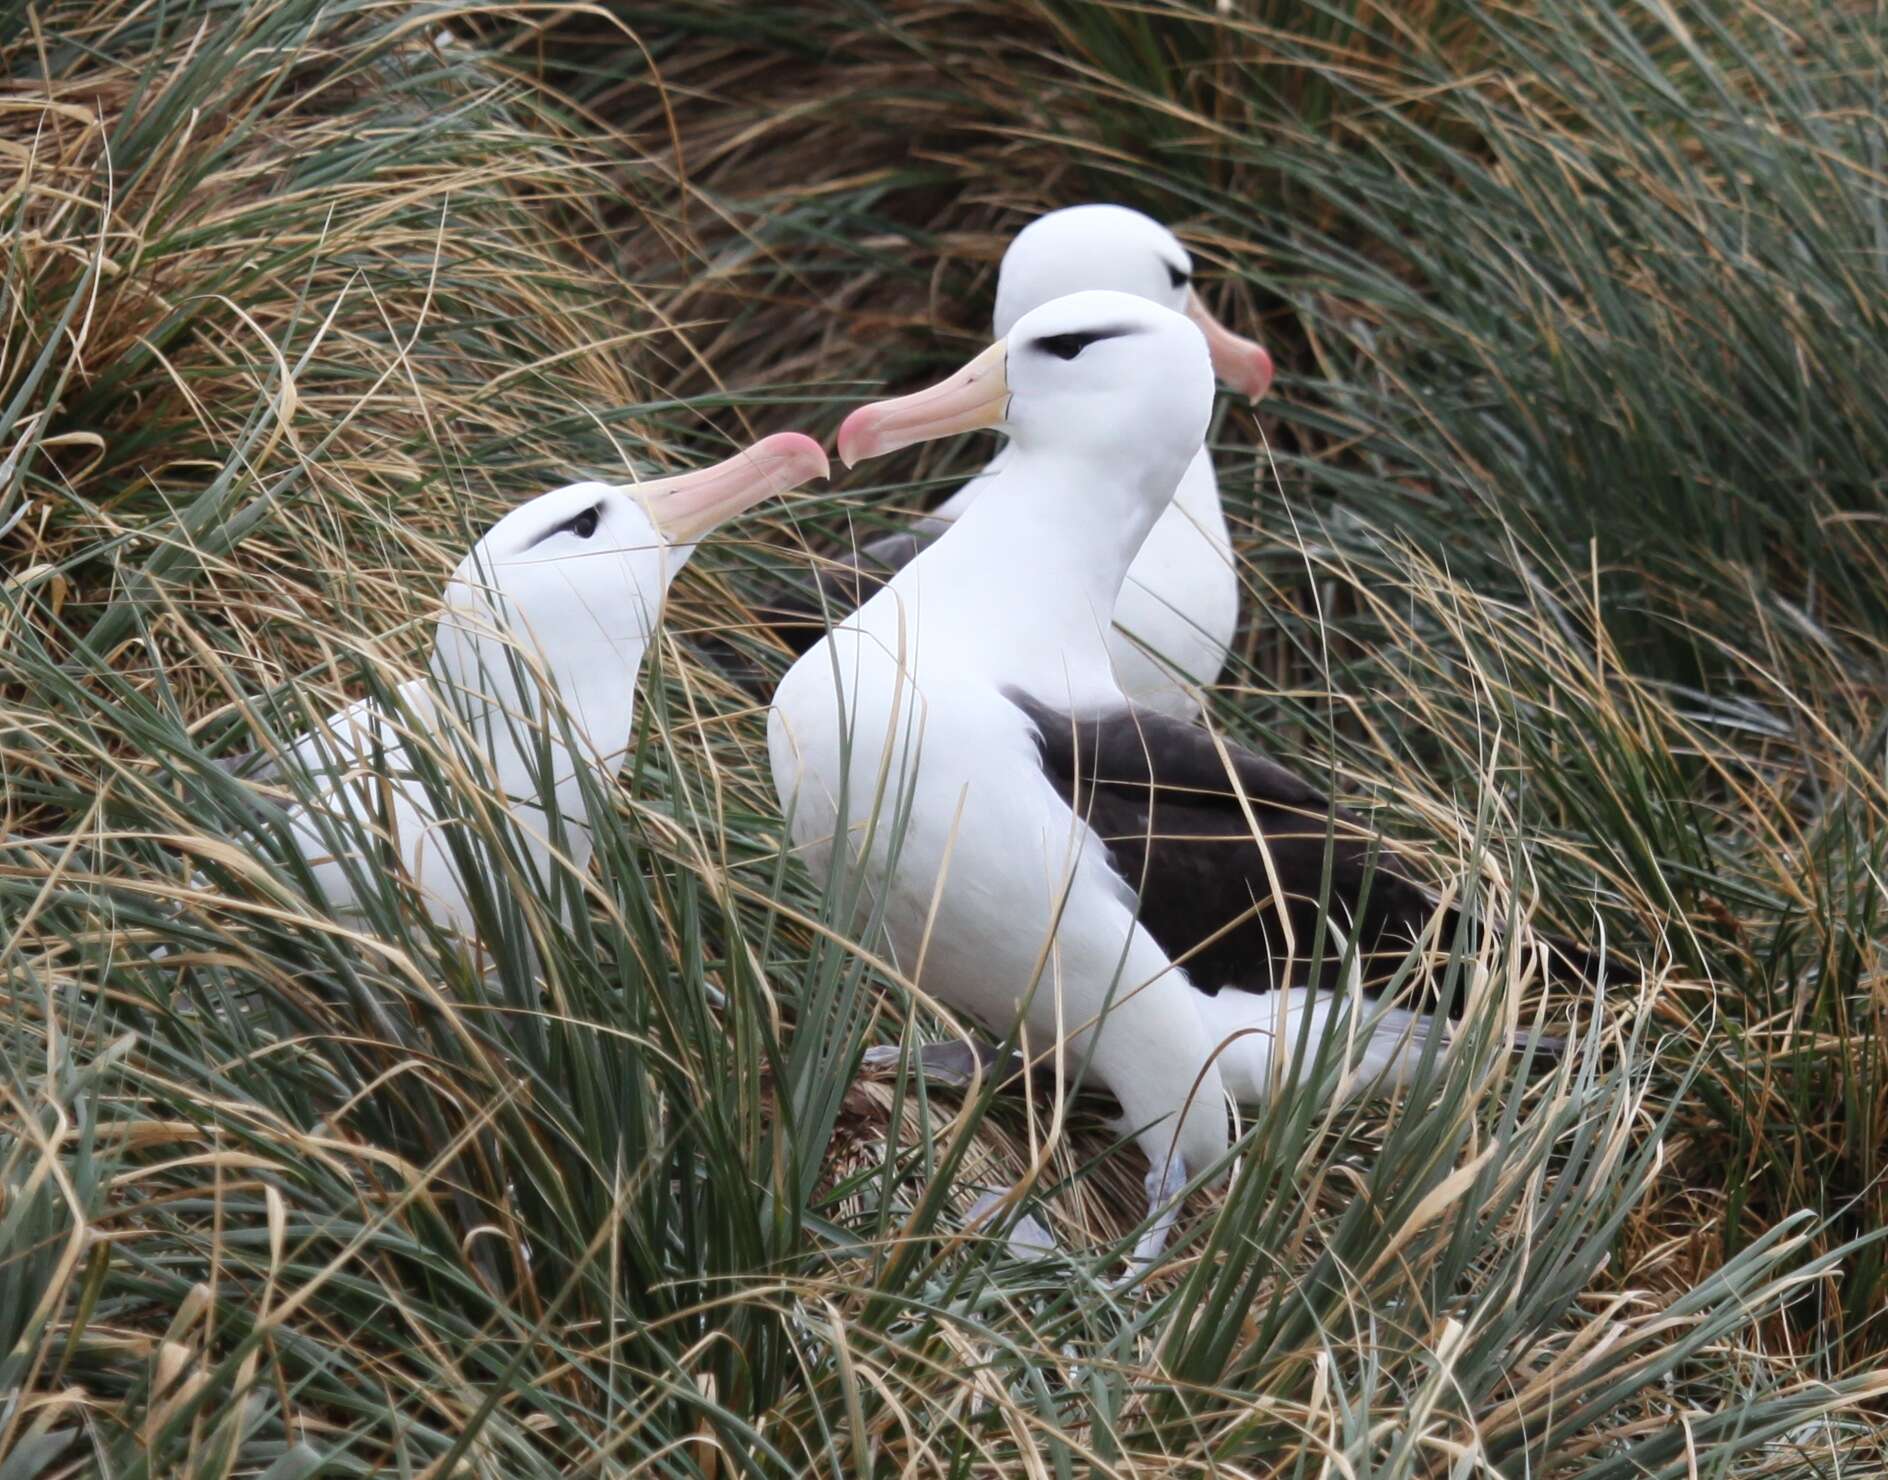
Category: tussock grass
[1577,311]
[298,299]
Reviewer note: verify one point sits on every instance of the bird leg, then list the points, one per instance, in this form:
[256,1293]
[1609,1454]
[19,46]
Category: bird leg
[953,1063]
[1028,1239]
[1165,1180]
[1548,1049]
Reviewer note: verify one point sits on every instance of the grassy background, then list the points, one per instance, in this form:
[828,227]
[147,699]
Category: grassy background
[1564,543]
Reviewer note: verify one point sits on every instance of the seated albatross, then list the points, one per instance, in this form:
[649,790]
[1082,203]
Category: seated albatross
[1145,896]
[532,680]
[1178,609]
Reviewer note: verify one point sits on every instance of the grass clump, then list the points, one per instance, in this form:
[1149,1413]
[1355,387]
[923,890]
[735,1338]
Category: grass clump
[300,298]
[1574,469]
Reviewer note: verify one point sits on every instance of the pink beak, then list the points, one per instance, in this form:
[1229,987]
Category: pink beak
[687,506]
[976,396]
[1242,363]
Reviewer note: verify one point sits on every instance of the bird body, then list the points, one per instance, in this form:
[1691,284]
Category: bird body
[992,894]
[1160,908]
[530,688]
[898,738]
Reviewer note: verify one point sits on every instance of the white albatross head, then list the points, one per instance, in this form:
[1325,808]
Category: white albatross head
[573,583]
[1112,247]
[1104,377]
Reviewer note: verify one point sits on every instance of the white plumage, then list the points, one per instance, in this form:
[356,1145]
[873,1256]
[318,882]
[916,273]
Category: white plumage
[896,730]
[531,682]
[1177,612]
[967,735]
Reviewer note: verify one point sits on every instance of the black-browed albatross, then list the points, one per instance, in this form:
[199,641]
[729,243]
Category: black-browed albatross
[1037,843]
[1178,609]
[532,678]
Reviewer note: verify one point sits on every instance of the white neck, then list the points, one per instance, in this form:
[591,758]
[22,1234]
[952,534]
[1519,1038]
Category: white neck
[1031,571]
[526,741]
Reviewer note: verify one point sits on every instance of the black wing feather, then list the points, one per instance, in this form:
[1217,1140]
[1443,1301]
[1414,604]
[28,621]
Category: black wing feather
[1172,810]
[841,583]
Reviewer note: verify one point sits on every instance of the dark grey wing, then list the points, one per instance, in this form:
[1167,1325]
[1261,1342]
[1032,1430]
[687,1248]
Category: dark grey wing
[250,765]
[840,583]
[801,611]
[1161,796]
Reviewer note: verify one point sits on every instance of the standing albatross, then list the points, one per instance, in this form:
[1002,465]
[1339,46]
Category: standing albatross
[1145,896]
[531,684]
[1177,611]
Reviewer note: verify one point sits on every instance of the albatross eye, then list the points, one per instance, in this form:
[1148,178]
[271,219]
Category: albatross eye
[1177,277]
[585,524]
[1068,346]
[1064,346]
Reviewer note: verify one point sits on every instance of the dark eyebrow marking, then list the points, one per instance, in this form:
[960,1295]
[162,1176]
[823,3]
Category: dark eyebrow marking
[1179,276]
[1068,346]
[562,525]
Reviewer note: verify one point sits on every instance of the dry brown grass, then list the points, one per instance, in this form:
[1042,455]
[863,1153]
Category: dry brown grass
[282,1197]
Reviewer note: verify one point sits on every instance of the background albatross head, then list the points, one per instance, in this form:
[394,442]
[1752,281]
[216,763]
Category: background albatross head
[1112,247]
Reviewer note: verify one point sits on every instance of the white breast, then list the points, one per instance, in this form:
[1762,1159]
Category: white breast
[933,777]
[372,807]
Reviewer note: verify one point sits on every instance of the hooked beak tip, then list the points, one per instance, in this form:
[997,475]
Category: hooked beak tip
[1258,377]
[855,437]
[802,458]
